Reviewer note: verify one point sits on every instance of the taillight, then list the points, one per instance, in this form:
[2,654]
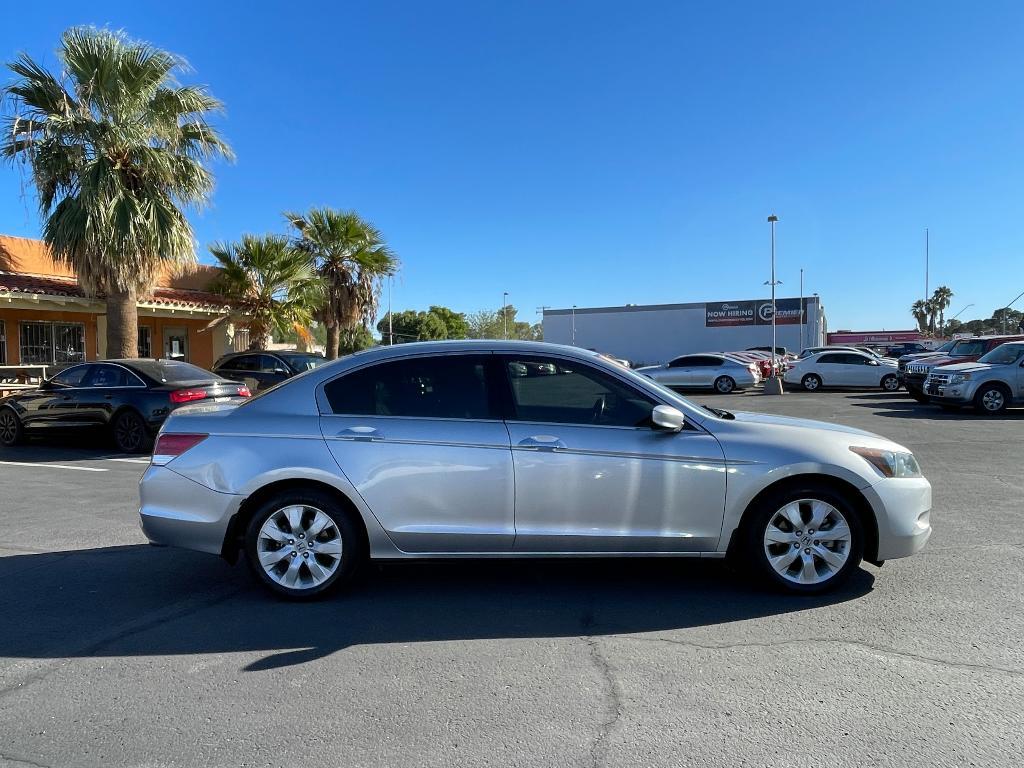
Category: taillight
[170,445]
[243,391]
[187,395]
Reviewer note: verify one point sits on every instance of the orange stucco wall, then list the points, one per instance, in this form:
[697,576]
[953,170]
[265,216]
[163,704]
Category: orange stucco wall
[11,318]
[200,342]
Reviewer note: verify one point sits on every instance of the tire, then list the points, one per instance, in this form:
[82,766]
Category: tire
[321,569]
[767,544]
[129,432]
[811,382]
[890,383]
[918,395]
[991,399]
[724,385]
[12,431]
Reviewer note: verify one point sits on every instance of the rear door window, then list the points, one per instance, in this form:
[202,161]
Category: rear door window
[443,387]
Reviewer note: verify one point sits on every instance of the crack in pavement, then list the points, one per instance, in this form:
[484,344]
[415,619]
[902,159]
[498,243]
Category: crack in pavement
[9,758]
[856,644]
[613,696]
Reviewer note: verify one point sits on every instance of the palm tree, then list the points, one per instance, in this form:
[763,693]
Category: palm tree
[352,258]
[940,300]
[116,148]
[271,282]
[919,310]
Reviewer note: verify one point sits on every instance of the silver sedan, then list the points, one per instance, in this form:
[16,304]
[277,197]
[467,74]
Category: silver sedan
[513,449]
[708,370]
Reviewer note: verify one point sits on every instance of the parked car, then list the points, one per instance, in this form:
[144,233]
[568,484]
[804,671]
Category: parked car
[709,370]
[843,369]
[763,361]
[962,351]
[128,398]
[262,369]
[434,450]
[991,384]
[906,348]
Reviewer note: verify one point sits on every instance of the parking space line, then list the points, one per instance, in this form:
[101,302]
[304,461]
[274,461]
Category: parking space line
[52,466]
[128,461]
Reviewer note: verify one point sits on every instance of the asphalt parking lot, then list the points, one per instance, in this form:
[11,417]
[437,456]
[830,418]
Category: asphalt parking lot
[116,653]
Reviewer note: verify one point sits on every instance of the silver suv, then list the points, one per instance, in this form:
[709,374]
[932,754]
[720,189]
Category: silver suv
[990,384]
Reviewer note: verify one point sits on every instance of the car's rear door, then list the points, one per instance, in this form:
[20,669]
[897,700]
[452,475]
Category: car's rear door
[831,367]
[422,440]
[593,475]
[705,369]
[104,392]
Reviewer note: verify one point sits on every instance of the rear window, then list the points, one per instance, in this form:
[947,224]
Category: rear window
[172,371]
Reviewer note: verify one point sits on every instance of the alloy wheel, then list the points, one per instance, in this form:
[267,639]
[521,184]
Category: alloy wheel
[890,383]
[299,547]
[8,427]
[724,385]
[811,383]
[807,541]
[128,432]
[993,400]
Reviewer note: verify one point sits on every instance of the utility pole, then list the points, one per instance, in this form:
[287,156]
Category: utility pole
[773,386]
[391,328]
[504,311]
[926,263]
[574,325]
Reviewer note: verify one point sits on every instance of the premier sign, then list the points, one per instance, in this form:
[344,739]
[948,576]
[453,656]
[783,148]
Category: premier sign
[736,313]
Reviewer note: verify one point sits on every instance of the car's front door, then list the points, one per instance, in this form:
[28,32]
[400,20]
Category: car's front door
[56,401]
[678,373]
[422,441]
[594,475]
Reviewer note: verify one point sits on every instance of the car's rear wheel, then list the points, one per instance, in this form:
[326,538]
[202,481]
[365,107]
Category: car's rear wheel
[12,432]
[990,399]
[130,433]
[811,382]
[301,544]
[806,540]
[890,383]
[724,385]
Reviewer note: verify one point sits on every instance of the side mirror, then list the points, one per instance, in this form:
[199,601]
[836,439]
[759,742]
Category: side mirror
[46,385]
[873,362]
[668,418]
[281,370]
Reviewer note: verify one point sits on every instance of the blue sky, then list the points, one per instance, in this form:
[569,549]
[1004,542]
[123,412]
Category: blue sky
[598,153]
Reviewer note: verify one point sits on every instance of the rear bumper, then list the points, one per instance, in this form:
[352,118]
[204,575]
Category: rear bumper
[903,512]
[178,512]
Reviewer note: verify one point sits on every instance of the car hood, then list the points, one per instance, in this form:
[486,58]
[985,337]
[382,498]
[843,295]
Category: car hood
[969,366]
[747,417]
[649,368]
[945,360]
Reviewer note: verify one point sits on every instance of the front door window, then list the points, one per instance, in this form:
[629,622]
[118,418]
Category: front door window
[176,344]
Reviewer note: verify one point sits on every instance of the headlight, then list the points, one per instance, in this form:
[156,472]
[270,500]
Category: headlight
[959,378]
[889,463]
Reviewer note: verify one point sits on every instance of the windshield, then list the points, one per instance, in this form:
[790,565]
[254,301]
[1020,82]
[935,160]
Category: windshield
[304,362]
[967,347]
[1007,354]
[172,371]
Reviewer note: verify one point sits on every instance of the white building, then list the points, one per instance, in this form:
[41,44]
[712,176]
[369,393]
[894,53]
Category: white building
[655,333]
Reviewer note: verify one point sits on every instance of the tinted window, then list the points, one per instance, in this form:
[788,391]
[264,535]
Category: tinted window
[111,376]
[72,377]
[304,362]
[680,362]
[269,364]
[705,361]
[172,371]
[244,363]
[967,348]
[574,394]
[1003,355]
[448,387]
[852,359]
[833,359]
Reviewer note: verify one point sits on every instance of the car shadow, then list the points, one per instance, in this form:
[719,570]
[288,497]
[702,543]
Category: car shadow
[886,404]
[76,447]
[142,601]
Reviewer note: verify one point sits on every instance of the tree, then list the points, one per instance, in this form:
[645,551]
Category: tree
[117,149]
[355,340]
[486,324]
[273,283]
[434,324]
[919,310]
[940,301]
[351,257]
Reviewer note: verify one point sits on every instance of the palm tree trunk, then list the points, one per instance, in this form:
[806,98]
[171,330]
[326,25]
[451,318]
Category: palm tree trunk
[333,337]
[122,324]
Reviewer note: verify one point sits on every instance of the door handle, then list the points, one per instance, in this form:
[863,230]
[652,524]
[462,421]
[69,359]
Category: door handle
[542,443]
[361,434]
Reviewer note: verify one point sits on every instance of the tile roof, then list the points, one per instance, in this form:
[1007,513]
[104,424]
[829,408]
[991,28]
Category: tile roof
[50,285]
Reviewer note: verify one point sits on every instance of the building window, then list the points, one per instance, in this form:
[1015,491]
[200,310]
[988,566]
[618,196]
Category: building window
[145,341]
[241,340]
[3,344]
[52,343]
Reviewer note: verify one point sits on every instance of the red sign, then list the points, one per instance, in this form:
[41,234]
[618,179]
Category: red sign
[873,337]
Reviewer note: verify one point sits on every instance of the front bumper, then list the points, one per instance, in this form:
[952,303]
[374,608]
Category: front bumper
[178,512]
[914,380]
[960,394]
[903,512]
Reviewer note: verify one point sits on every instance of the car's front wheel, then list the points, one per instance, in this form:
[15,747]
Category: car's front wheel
[805,540]
[990,399]
[301,544]
[724,385]
[11,430]
[890,383]
[811,382]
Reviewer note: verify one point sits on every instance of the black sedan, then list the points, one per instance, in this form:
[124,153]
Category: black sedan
[262,369]
[128,398]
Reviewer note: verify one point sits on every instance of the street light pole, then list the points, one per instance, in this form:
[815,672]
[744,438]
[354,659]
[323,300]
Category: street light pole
[574,325]
[773,385]
[1006,309]
[803,312]
[504,311]
[391,330]
[926,264]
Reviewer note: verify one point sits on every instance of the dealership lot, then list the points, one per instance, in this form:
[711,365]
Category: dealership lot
[116,653]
